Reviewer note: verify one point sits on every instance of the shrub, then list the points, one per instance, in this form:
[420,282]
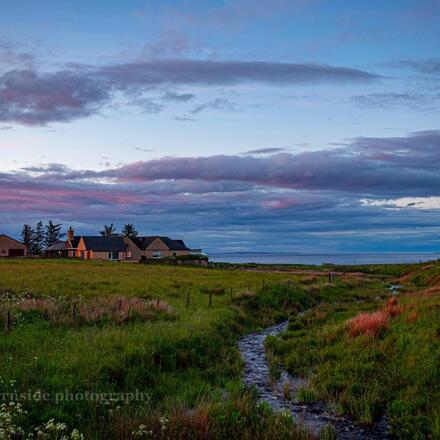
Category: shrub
[392,308]
[369,324]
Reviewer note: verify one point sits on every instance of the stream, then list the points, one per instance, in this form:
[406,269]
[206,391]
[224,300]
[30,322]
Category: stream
[316,415]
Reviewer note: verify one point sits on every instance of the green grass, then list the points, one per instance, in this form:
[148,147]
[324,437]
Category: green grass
[398,372]
[185,363]
[189,366]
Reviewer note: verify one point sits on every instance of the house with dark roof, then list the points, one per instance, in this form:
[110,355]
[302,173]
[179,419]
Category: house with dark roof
[98,247]
[159,247]
[9,247]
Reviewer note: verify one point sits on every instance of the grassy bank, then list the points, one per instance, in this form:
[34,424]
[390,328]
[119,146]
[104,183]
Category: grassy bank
[375,354]
[92,337]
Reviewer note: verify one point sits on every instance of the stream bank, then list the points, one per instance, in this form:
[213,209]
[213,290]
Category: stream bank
[315,416]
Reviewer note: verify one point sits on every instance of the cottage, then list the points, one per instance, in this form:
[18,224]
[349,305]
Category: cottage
[10,247]
[118,248]
[98,247]
[158,247]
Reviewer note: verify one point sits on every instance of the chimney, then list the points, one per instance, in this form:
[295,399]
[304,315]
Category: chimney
[70,234]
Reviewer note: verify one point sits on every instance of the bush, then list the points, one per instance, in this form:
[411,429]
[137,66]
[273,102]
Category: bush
[369,324]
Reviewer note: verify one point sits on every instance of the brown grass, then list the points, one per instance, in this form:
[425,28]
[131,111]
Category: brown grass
[113,309]
[392,308]
[369,324]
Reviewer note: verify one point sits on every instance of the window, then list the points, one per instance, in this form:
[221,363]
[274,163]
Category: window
[128,254]
[157,254]
[113,255]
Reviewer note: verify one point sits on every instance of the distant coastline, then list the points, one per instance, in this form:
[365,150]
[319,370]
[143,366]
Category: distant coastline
[323,258]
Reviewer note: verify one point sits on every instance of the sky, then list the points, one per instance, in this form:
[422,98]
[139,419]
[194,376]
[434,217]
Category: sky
[238,125]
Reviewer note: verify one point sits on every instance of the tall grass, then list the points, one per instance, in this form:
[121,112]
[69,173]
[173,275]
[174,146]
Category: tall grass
[169,332]
[375,354]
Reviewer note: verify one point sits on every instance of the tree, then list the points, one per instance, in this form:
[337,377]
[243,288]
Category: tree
[129,231]
[38,239]
[52,233]
[27,236]
[108,231]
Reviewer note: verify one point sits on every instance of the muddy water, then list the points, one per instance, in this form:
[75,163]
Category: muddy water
[313,415]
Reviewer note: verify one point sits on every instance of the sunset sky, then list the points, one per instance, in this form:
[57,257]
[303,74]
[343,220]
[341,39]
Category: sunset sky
[246,125]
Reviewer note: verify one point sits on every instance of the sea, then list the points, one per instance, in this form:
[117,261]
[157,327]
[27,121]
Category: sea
[320,259]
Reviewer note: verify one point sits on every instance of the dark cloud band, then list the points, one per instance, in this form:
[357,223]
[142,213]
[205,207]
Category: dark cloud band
[34,98]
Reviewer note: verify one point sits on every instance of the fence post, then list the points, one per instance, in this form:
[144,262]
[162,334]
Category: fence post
[210,298]
[7,321]
[74,311]
[187,299]
[232,294]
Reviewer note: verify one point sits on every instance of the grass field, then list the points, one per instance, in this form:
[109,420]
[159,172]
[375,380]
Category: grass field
[185,359]
[374,356]
[161,339]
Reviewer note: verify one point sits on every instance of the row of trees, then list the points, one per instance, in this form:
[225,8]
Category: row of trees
[127,231]
[41,237]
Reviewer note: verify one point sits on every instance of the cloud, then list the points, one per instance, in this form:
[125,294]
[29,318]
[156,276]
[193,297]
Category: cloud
[391,101]
[178,97]
[216,104]
[250,202]
[263,151]
[145,150]
[207,73]
[12,54]
[31,98]
[183,118]
[395,165]
[429,66]
[37,98]
[430,203]
[398,165]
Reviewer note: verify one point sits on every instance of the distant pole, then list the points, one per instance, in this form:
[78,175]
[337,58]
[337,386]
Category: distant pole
[187,299]
[232,294]
[329,277]
[210,298]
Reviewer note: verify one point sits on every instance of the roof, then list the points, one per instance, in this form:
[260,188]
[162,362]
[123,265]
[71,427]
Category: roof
[173,245]
[13,239]
[100,243]
[58,246]
[74,242]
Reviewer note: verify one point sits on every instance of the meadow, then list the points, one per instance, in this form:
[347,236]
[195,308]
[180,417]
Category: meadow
[377,355]
[178,348]
[117,351]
